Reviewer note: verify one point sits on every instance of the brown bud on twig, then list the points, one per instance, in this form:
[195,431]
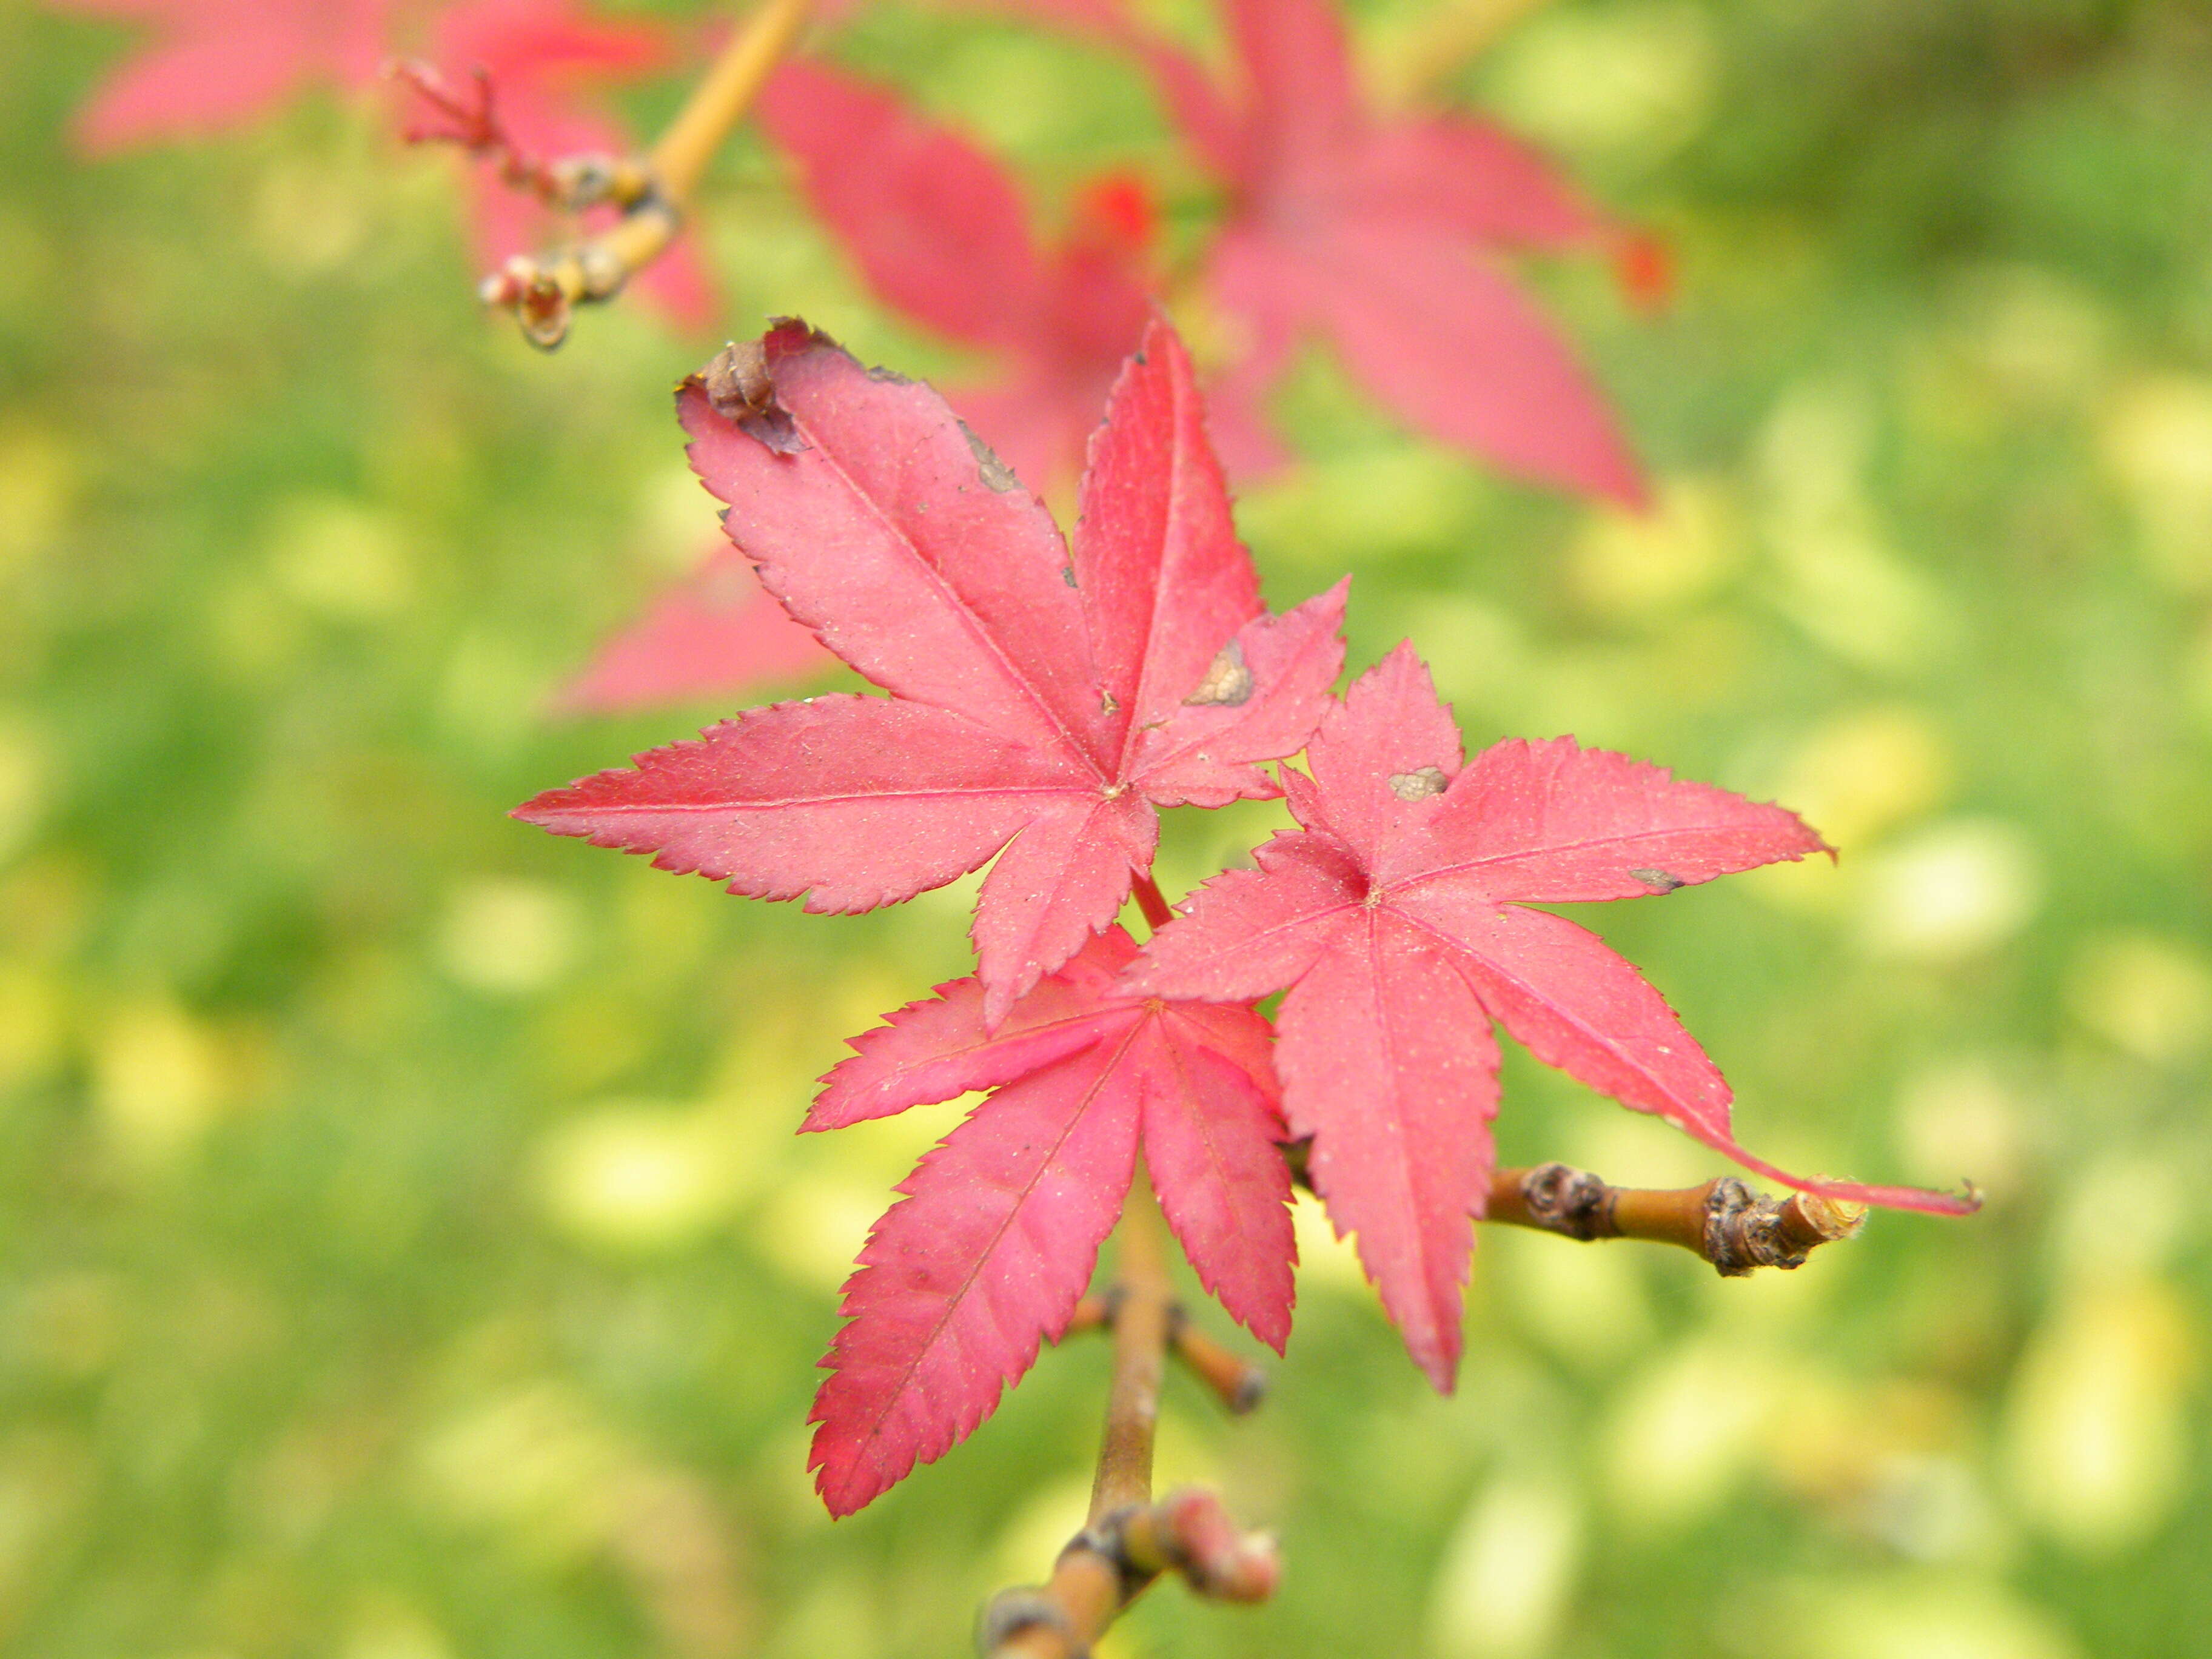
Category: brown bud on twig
[1189,1532]
[539,302]
[1111,1562]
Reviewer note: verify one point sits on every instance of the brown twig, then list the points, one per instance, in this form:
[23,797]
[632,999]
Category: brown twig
[471,121]
[1723,1221]
[655,193]
[1130,1539]
[1237,1383]
[1144,1317]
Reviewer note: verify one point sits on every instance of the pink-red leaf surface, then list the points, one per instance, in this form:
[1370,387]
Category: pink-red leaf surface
[985,1257]
[1044,701]
[213,65]
[714,634]
[1386,235]
[939,229]
[1397,916]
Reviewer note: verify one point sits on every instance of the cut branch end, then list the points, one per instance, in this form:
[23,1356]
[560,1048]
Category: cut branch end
[1723,1221]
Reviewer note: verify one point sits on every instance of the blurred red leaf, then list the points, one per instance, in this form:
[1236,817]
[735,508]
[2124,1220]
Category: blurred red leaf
[1386,236]
[219,63]
[938,227]
[715,634]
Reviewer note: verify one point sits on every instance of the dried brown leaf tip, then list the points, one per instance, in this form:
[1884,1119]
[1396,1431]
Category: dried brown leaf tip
[740,389]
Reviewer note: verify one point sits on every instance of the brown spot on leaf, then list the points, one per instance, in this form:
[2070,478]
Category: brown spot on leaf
[1107,703]
[1658,880]
[740,389]
[997,475]
[1227,683]
[1418,784]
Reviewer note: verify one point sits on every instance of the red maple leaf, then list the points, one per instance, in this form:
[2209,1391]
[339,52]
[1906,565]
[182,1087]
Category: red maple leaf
[987,1255]
[546,64]
[1397,917]
[1045,699]
[1385,236]
[219,63]
[939,229]
[717,633]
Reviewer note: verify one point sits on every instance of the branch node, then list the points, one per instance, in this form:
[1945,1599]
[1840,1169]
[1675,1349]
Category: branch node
[1744,1232]
[1189,1532]
[1238,1384]
[1562,1198]
[1131,1539]
[1013,1613]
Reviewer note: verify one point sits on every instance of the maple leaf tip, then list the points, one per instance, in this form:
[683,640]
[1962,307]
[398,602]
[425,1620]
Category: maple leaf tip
[838,1495]
[1442,1372]
[541,809]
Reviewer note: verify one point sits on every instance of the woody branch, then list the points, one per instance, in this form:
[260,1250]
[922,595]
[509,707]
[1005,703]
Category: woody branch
[1130,1539]
[655,193]
[1722,1222]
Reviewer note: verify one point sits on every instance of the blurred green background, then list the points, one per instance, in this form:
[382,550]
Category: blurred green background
[406,1255]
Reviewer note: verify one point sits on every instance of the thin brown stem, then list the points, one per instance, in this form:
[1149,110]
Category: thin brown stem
[655,194]
[679,160]
[1144,1316]
[1234,1381]
[1130,1539]
[1093,1313]
[1237,1383]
